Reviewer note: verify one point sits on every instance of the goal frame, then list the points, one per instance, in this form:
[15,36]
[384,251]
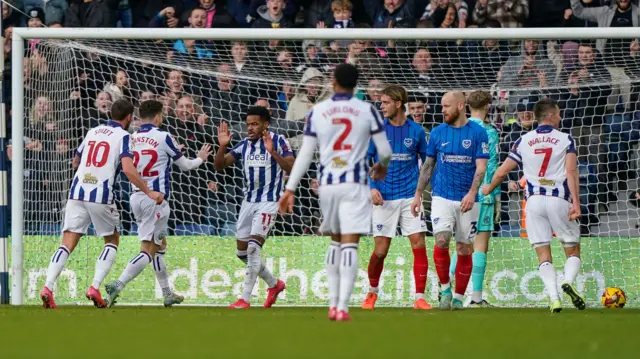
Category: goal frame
[22,34]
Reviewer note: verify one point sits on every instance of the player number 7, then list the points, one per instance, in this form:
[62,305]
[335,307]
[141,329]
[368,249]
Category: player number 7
[545,160]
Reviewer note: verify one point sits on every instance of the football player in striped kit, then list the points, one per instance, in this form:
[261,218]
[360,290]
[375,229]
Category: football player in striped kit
[91,198]
[341,127]
[266,157]
[155,150]
[549,161]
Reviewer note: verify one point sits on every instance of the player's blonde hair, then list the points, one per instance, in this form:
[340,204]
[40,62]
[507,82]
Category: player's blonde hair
[344,5]
[479,99]
[396,93]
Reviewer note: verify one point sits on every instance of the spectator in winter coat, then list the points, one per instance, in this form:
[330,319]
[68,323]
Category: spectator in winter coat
[401,13]
[272,16]
[91,13]
[216,15]
[510,13]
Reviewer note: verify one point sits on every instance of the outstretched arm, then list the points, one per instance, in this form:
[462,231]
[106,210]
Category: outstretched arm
[500,175]
[223,159]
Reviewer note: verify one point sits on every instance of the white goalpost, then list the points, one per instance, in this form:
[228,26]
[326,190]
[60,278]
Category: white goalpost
[64,80]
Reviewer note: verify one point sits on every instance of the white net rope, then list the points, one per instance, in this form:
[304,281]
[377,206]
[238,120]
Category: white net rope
[69,86]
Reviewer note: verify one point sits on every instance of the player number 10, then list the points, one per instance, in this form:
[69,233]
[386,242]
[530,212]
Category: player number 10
[545,160]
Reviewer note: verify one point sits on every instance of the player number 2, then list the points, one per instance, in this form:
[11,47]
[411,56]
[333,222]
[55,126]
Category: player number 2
[100,149]
[545,160]
[340,145]
[146,172]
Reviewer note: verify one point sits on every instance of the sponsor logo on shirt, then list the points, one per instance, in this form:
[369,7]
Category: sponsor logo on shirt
[339,163]
[89,179]
[485,148]
[257,160]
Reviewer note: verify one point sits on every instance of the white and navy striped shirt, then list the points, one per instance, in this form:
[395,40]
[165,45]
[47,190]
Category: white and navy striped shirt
[343,126]
[263,177]
[542,154]
[100,153]
[154,150]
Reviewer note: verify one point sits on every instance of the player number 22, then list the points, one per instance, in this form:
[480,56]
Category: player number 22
[545,160]
[146,172]
[340,145]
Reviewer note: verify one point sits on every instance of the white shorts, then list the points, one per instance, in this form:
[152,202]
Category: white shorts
[446,217]
[78,216]
[152,218]
[387,216]
[256,219]
[346,208]
[547,215]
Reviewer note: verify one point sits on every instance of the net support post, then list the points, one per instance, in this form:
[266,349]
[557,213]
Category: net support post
[17,168]
[4,192]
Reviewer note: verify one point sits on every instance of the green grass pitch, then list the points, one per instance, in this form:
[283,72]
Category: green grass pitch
[205,332]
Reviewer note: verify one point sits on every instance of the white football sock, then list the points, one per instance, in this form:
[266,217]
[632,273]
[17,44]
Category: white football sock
[253,268]
[160,268]
[571,269]
[264,272]
[348,273]
[476,296]
[374,290]
[133,269]
[104,263]
[56,264]
[548,275]
[332,264]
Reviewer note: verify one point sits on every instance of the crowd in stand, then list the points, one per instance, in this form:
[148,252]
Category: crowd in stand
[203,83]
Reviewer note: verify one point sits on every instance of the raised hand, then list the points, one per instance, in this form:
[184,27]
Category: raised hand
[224,135]
[268,141]
[205,152]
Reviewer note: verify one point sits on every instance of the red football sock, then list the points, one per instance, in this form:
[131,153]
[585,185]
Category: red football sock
[375,270]
[463,273]
[442,261]
[420,268]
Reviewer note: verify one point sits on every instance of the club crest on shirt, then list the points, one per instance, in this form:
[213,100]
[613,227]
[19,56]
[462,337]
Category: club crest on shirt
[408,142]
[466,144]
[379,227]
[435,220]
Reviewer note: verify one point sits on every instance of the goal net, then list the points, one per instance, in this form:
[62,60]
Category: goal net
[70,85]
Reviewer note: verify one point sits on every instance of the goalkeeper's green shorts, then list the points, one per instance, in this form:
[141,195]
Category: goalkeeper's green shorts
[485,220]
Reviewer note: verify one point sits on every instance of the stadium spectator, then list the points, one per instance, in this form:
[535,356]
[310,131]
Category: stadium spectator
[373,92]
[228,101]
[550,13]
[286,66]
[240,11]
[98,114]
[10,18]
[400,13]
[52,10]
[192,190]
[587,81]
[124,16]
[91,13]
[570,19]
[271,15]
[529,69]
[174,82]
[312,89]
[461,6]
[416,104]
[289,9]
[166,18]
[197,18]
[509,13]
[188,51]
[216,15]
[240,57]
[615,52]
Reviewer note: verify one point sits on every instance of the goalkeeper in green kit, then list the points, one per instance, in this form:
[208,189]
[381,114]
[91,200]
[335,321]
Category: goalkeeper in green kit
[479,102]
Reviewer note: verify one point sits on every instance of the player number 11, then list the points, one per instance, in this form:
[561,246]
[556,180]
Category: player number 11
[545,161]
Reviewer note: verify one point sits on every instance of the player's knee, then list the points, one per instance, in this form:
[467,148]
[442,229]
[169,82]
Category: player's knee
[571,249]
[417,241]
[442,239]
[381,253]
[464,249]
